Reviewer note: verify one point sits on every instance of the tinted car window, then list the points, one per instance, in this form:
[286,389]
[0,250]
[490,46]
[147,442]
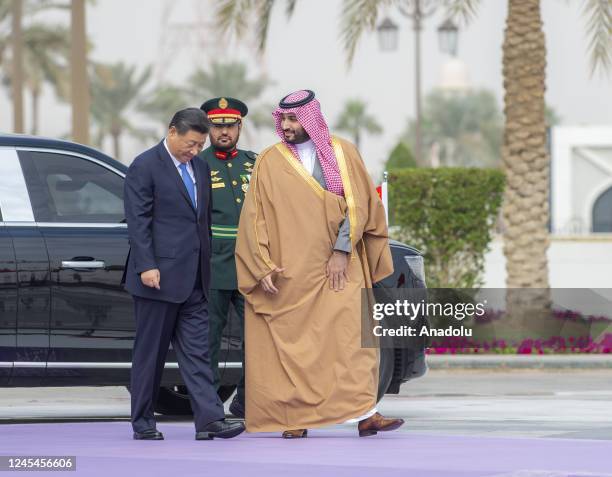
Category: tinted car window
[71,189]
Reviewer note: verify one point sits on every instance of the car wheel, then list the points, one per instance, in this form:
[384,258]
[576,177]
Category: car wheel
[173,401]
[225,392]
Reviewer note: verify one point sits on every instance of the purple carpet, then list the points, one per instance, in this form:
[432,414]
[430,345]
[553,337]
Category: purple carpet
[106,449]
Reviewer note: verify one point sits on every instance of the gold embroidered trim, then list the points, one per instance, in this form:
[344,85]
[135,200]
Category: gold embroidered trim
[253,183]
[348,189]
[299,168]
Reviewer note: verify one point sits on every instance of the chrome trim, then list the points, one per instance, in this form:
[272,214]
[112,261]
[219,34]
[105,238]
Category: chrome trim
[81,225]
[119,365]
[231,365]
[76,225]
[77,264]
[19,224]
[6,364]
[29,364]
[71,153]
[14,198]
[93,365]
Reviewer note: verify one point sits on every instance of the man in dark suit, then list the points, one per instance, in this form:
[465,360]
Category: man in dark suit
[168,210]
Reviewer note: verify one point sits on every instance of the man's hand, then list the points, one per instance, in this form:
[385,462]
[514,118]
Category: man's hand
[150,278]
[336,270]
[267,284]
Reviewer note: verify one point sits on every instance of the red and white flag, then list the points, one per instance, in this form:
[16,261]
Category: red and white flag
[383,193]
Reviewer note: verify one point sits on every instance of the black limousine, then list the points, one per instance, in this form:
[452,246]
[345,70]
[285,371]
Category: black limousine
[65,320]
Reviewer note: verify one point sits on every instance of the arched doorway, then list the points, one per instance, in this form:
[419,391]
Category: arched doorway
[602,212]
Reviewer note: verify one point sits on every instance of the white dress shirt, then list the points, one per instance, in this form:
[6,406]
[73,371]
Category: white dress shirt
[308,154]
[177,164]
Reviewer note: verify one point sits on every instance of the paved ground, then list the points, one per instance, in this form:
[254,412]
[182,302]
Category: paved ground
[520,423]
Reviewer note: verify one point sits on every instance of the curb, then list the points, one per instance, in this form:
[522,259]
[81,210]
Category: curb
[574,361]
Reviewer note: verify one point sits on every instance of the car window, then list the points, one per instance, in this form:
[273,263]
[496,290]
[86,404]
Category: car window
[72,189]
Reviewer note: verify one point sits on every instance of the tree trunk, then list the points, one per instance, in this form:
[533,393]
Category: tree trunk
[116,146]
[79,81]
[357,139]
[17,70]
[524,153]
[35,110]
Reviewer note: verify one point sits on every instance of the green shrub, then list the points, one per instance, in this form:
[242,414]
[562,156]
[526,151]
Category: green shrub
[401,157]
[448,214]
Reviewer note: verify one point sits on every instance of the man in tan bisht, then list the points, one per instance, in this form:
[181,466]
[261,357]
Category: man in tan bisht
[312,234]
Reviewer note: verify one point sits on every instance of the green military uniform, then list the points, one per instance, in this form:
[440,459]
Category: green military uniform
[230,180]
[230,175]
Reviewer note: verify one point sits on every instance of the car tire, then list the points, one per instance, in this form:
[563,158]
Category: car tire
[225,392]
[174,401]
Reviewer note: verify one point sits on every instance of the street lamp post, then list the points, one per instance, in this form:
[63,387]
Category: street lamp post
[447,36]
[388,33]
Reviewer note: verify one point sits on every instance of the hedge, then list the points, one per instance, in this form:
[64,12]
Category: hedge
[448,214]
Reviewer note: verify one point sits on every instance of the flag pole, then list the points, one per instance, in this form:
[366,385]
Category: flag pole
[385,195]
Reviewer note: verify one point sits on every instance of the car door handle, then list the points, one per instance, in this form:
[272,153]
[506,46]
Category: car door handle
[83,264]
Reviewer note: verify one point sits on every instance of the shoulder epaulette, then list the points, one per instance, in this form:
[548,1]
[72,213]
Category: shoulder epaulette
[252,155]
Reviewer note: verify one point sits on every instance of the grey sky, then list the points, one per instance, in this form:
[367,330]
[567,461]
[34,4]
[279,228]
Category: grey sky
[306,53]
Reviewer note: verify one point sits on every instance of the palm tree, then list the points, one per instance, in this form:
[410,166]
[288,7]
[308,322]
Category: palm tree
[462,128]
[524,154]
[232,79]
[45,53]
[79,85]
[116,89]
[17,65]
[355,120]
[163,102]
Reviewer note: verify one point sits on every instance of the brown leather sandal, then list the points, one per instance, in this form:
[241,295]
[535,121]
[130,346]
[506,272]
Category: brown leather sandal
[295,434]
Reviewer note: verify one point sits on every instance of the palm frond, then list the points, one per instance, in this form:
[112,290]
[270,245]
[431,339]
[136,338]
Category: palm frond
[465,10]
[358,16]
[598,14]
[263,23]
[290,8]
[231,15]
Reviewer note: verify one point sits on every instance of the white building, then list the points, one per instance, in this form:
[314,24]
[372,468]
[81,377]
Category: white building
[580,253]
[581,180]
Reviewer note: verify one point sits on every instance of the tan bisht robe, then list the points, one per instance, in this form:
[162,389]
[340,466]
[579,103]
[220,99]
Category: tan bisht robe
[305,366]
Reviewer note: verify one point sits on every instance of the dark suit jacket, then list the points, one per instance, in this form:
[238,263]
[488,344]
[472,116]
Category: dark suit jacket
[164,229]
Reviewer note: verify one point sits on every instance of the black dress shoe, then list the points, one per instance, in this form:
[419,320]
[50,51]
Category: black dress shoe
[149,435]
[222,429]
[237,408]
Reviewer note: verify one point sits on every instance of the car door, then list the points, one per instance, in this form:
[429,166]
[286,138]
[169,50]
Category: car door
[8,303]
[25,278]
[77,203]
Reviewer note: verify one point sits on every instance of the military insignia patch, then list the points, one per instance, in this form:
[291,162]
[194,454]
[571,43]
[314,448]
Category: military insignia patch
[246,178]
[216,179]
[213,173]
[217,186]
[223,103]
[248,164]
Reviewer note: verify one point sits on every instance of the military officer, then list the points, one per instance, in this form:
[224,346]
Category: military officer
[230,170]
